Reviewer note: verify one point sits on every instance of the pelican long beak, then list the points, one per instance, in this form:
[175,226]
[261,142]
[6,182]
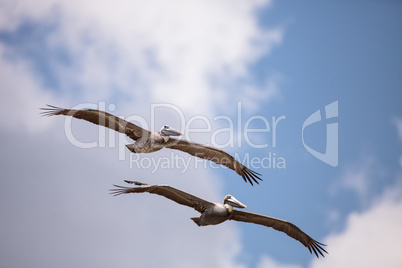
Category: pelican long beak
[169,131]
[235,203]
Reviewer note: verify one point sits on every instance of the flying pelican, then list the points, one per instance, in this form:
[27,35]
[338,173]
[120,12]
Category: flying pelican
[151,141]
[216,213]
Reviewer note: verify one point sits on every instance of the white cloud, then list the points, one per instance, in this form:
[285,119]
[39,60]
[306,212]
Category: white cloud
[356,178]
[268,91]
[57,202]
[20,97]
[181,52]
[132,53]
[371,238]
[398,124]
[267,262]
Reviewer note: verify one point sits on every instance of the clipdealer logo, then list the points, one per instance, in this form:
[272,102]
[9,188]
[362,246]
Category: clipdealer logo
[330,156]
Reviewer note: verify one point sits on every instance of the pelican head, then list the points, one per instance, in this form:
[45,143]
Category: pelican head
[169,131]
[229,201]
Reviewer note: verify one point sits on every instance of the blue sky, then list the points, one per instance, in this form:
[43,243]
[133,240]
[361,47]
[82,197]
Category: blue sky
[204,58]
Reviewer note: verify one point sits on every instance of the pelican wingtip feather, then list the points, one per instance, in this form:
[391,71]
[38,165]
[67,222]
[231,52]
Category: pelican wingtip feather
[249,175]
[50,110]
[119,190]
[317,248]
[136,183]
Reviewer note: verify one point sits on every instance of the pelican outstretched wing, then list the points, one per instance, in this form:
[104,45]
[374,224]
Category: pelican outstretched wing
[135,132]
[280,225]
[101,118]
[215,155]
[169,192]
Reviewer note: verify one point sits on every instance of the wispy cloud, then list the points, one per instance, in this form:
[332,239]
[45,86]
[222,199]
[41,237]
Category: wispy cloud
[375,229]
[20,97]
[268,262]
[58,203]
[398,124]
[131,53]
[185,53]
[357,178]
[371,238]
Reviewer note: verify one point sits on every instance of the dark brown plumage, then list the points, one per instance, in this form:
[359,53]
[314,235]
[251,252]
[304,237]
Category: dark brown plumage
[216,213]
[215,155]
[101,118]
[280,225]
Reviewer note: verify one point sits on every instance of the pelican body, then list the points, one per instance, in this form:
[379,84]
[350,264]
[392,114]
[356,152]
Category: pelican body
[153,141]
[216,213]
[148,141]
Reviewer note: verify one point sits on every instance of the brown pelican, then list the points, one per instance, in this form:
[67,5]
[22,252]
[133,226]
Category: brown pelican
[216,213]
[151,141]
